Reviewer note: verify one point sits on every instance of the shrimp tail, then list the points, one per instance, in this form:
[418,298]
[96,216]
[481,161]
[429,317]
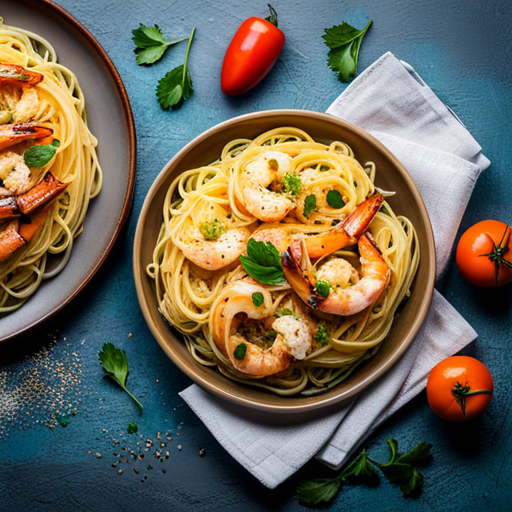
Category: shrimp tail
[10,240]
[11,134]
[42,193]
[359,220]
[18,75]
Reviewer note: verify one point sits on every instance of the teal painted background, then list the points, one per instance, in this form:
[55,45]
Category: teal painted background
[462,50]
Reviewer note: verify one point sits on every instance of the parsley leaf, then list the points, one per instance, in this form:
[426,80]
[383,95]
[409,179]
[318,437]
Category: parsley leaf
[211,230]
[263,263]
[132,428]
[335,199]
[292,184]
[176,86]
[285,312]
[399,470]
[113,361]
[63,420]
[344,42]
[257,299]
[323,288]
[151,44]
[37,156]
[309,204]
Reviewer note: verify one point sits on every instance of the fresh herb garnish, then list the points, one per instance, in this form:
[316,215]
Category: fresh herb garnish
[257,299]
[37,156]
[285,312]
[132,428]
[211,230]
[323,288]
[292,184]
[400,470]
[263,263]
[113,361]
[240,351]
[322,336]
[309,204]
[344,42]
[176,86]
[335,199]
[273,164]
[151,44]
[63,420]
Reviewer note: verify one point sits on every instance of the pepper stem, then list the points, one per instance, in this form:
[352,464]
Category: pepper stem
[460,393]
[272,18]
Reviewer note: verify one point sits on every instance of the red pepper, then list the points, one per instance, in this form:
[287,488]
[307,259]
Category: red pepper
[251,54]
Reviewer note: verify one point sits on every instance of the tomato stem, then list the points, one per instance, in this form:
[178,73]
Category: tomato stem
[498,252]
[272,18]
[460,393]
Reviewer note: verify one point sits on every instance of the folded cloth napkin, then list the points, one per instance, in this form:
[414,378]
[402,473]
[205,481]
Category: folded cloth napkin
[390,101]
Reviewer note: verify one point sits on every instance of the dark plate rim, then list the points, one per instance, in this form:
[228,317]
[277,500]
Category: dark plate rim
[56,11]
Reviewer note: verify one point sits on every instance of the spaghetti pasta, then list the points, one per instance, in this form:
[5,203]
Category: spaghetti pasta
[55,103]
[204,206]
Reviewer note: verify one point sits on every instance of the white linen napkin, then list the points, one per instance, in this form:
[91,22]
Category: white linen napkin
[390,101]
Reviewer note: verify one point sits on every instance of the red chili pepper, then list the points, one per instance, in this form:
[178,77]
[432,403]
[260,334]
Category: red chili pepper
[251,54]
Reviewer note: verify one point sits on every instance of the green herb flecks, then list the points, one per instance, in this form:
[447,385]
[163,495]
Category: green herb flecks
[263,263]
[335,199]
[292,184]
[113,360]
[344,42]
[176,86]
[150,44]
[37,156]
[240,351]
[257,299]
[322,336]
[132,428]
[211,230]
[323,288]
[63,420]
[309,204]
[400,470]
[285,312]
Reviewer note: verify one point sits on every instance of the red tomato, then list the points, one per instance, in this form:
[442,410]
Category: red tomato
[483,254]
[251,54]
[459,388]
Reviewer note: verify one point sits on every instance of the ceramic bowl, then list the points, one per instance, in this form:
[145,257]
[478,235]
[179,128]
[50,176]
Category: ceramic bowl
[391,175]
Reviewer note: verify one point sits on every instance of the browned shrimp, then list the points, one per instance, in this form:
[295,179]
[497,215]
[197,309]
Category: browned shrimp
[18,75]
[11,134]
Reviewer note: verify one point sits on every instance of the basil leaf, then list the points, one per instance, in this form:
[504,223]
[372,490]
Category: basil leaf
[309,204]
[257,299]
[240,351]
[335,199]
[37,156]
[263,253]
[264,275]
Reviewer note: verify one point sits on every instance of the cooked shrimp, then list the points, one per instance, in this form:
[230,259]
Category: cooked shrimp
[265,204]
[27,106]
[293,339]
[11,134]
[212,254]
[347,295]
[18,75]
[15,173]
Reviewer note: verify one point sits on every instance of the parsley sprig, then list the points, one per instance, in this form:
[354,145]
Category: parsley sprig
[344,42]
[176,86]
[151,44]
[400,470]
[113,360]
[263,263]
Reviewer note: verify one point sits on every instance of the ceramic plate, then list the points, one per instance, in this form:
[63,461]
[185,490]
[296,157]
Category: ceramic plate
[391,175]
[110,120]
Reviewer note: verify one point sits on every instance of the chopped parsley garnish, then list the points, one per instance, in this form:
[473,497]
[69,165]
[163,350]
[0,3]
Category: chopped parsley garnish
[257,299]
[335,199]
[323,288]
[321,336]
[211,230]
[292,184]
[285,312]
[344,42]
[240,351]
[132,428]
[309,204]
[263,263]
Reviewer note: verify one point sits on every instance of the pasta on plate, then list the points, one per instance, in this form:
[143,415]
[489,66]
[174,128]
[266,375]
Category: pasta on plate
[281,263]
[49,170]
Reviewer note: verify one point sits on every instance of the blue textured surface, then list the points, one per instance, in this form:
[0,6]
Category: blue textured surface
[462,50]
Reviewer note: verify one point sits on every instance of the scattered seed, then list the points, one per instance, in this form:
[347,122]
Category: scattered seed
[179,447]
[98,455]
[202,451]
[119,471]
